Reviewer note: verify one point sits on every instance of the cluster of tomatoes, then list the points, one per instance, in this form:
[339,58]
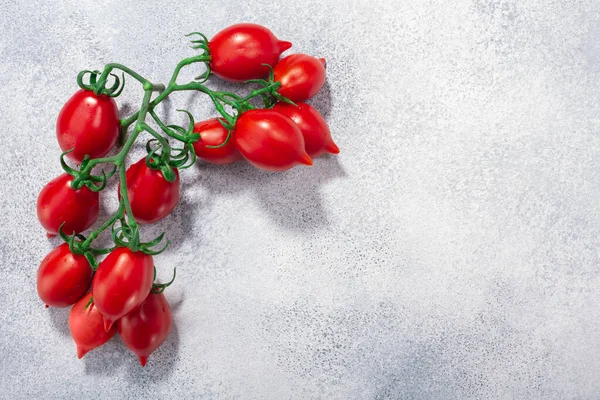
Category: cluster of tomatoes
[120,294]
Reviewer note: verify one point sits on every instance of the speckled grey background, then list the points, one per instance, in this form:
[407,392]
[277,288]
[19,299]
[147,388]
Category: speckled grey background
[451,251]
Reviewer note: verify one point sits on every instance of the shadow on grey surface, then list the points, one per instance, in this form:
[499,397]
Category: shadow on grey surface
[180,223]
[60,319]
[322,101]
[293,206]
[106,359]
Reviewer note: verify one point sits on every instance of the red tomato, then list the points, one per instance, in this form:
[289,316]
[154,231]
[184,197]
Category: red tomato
[58,203]
[86,325]
[151,196]
[89,124]
[144,329]
[212,133]
[239,51]
[122,282]
[63,277]
[301,76]
[317,138]
[270,140]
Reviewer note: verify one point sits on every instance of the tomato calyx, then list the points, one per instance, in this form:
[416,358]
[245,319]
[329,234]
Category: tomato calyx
[78,244]
[158,288]
[83,176]
[161,156]
[201,44]
[127,235]
[98,86]
[270,86]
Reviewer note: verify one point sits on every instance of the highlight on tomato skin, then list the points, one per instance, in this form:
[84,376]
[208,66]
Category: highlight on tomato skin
[86,324]
[88,124]
[121,283]
[63,277]
[239,51]
[301,76]
[269,140]
[314,128]
[59,203]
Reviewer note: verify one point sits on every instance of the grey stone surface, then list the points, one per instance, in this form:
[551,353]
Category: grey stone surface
[451,251]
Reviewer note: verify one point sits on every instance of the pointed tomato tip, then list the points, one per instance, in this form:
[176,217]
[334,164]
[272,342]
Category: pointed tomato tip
[322,60]
[108,324]
[305,159]
[143,360]
[283,45]
[50,235]
[332,148]
[81,352]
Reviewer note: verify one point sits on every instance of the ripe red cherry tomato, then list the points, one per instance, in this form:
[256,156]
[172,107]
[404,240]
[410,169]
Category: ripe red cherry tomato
[239,51]
[122,282]
[301,76]
[58,203]
[86,325]
[89,124]
[270,140]
[152,197]
[144,329]
[63,277]
[212,133]
[317,138]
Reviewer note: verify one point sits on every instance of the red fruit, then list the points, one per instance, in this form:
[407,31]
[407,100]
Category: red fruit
[239,51]
[301,76]
[317,138]
[270,140]
[144,329]
[58,202]
[122,282]
[88,124]
[151,196]
[212,133]
[87,326]
[63,277]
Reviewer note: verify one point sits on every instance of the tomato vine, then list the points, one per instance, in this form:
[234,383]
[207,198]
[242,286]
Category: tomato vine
[275,137]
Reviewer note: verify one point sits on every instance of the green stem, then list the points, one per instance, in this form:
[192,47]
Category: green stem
[134,241]
[257,92]
[108,68]
[169,88]
[165,129]
[119,214]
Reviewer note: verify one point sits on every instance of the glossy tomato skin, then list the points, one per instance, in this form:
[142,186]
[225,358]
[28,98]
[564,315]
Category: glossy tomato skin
[239,51]
[121,283]
[58,202]
[146,328]
[301,76]
[87,326]
[88,124]
[63,277]
[212,133]
[151,196]
[270,140]
[314,128]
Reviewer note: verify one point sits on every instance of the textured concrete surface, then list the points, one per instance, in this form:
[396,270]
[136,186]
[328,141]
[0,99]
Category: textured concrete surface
[449,252]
